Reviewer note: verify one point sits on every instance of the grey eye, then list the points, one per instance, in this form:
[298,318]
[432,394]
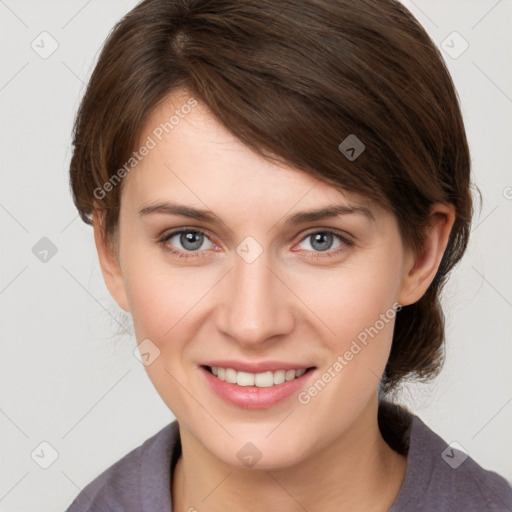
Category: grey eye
[321,240]
[189,240]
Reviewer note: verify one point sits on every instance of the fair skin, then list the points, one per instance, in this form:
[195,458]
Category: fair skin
[292,303]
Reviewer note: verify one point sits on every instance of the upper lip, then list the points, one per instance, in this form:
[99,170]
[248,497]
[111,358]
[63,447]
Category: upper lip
[257,367]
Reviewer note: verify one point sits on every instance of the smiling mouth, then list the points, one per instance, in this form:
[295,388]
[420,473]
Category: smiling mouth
[261,380]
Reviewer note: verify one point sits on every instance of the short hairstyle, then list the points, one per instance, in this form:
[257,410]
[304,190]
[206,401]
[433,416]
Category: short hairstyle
[291,80]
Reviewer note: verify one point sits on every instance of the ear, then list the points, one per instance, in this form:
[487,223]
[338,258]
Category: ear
[109,263]
[421,266]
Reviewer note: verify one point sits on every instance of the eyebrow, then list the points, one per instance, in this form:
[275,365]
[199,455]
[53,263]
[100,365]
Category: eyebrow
[297,218]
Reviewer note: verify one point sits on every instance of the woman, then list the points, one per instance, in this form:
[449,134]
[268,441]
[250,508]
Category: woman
[278,192]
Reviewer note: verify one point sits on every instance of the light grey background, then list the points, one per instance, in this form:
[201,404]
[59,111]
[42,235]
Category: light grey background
[68,374]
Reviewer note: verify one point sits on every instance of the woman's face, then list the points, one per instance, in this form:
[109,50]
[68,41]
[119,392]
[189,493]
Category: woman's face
[260,284]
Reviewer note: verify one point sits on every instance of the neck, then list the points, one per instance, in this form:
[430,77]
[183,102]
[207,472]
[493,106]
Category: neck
[357,472]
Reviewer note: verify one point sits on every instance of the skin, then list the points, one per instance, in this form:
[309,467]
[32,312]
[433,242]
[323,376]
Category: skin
[287,305]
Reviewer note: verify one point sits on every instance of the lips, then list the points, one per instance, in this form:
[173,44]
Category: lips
[260,393]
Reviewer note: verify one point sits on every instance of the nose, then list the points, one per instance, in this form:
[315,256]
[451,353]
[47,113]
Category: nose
[257,306]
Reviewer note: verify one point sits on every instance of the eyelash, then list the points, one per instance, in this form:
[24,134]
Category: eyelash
[194,254]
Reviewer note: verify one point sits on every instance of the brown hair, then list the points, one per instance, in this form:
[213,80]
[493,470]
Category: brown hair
[291,80]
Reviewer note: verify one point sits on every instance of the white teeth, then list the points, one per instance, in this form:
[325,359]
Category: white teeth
[230,375]
[260,380]
[290,374]
[279,376]
[264,380]
[245,379]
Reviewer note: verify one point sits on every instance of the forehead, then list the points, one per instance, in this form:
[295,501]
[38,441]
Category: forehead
[194,158]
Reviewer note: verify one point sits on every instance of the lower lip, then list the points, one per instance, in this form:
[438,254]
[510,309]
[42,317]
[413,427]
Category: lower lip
[253,397]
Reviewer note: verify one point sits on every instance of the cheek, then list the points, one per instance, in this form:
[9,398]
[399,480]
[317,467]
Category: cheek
[359,310]
[352,298]
[161,300]
[167,302]
[357,304]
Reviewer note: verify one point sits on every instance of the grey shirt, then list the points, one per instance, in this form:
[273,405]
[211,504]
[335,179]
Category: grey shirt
[439,478]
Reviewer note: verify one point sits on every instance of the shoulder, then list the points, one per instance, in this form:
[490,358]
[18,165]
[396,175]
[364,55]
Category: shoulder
[441,477]
[142,474]
[458,482]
